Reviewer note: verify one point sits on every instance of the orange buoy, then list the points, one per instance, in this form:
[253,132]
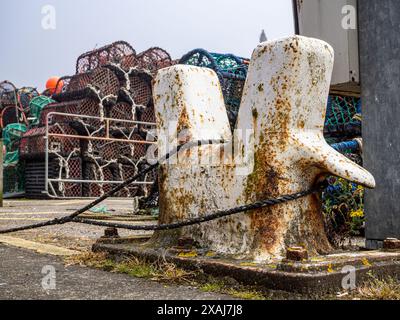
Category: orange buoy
[51,85]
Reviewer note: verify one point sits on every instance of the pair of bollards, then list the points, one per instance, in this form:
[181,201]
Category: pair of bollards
[277,148]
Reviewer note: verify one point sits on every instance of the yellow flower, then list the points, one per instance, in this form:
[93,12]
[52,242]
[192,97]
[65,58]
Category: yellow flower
[365,262]
[357,214]
[248,264]
[191,254]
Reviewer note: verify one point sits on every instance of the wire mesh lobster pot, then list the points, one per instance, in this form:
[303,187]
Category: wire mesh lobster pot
[36,105]
[153,59]
[112,173]
[106,151]
[128,62]
[140,90]
[36,180]
[68,169]
[33,143]
[134,158]
[119,52]
[12,135]
[342,117]
[25,96]
[231,71]
[88,107]
[102,151]
[71,107]
[14,178]
[148,115]
[93,172]
[10,115]
[232,89]
[134,151]
[123,111]
[77,86]
[122,173]
[113,161]
[64,86]
[8,93]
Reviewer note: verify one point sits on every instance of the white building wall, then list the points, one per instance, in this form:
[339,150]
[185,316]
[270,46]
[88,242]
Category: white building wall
[322,19]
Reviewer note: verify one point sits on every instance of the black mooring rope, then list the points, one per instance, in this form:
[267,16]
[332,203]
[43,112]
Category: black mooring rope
[216,215]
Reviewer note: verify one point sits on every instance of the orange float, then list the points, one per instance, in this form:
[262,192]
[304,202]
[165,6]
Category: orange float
[54,85]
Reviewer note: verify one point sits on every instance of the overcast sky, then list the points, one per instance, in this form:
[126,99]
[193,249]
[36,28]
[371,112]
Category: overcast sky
[30,54]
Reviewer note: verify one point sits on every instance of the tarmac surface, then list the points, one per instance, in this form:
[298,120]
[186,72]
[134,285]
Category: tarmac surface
[24,254]
[21,277]
[75,236]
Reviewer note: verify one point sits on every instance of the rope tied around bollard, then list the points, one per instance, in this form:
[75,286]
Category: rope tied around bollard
[74,217]
[209,217]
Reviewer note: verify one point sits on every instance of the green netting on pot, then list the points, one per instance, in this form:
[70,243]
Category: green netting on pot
[231,64]
[25,96]
[343,116]
[14,179]
[12,134]
[11,158]
[36,106]
[231,71]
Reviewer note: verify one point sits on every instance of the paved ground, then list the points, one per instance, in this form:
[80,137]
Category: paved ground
[21,278]
[72,235]
[20,269]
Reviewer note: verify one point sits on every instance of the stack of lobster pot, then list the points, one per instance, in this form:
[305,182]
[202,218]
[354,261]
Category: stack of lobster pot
[14,112]
[96,138]
[14,103]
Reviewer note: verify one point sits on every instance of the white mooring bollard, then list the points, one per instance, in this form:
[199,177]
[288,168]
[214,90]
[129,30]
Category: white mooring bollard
[278,148]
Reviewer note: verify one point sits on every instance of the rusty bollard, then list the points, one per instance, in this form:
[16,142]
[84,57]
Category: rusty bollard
[277,148]
[110,233]
[296,254]
[391,244]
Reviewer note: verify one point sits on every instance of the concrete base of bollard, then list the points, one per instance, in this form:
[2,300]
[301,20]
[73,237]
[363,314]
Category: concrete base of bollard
[316,275]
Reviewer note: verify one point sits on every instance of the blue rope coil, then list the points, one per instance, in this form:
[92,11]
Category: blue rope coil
[347,147]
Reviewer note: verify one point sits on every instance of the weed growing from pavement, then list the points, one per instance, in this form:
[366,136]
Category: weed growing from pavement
[379,289]
[212,286]
[247,294]
[224,285]
[165,272]
[373,289]
[160,271]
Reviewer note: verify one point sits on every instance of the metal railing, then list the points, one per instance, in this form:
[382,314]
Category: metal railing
[103,133]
